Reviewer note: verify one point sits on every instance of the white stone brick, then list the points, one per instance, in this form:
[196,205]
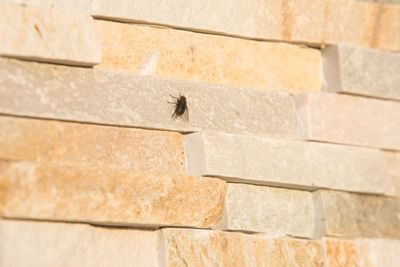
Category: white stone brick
[87,95]
[273,211]
[28,243]
[48,34]
[349,120]
[362,71]
[294,164]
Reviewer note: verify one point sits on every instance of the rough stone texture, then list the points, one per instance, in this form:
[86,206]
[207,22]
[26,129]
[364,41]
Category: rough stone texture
[313,22]
[214,248]
[362,252]
[109,197]
[349,120]
[381,1]
[80,94]
[345,214]
[273,211]
[208,58]
[91,145]
[82,6]
[393,168]
[48,34]
[362,71]
[27,243]
[295,164]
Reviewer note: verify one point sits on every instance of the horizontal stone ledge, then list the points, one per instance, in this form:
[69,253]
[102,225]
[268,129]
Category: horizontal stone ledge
[48,34]
[361,252]
[147,50]
[268,210]
[90,145]
[95,96]
[349,215]
[310,22]
[27,243]
[285,163]
[106,196]
[349,120]
[361,71]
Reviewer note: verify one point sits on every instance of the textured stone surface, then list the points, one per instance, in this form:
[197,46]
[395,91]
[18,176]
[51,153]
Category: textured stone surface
[393,168]
[315,22]
[27,243]
[80,94]
[109,197]
[208,58]
[82,6]
[274,211]
[362,71]
[349,120]
[213,248]
[91,145]
[354,215]
[286,163]
[362,252]
[48,34]
[381,1]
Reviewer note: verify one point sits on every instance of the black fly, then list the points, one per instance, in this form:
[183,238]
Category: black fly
[180,106]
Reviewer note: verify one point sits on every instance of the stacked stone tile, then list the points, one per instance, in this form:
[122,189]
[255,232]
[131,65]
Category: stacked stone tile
[289,156]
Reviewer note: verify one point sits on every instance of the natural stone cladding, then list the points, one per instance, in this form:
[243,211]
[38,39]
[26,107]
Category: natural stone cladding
[223,133]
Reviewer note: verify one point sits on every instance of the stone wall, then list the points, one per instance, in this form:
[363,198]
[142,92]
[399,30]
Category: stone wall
[288,153]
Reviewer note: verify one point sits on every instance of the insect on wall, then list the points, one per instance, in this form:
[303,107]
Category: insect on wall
[181,109]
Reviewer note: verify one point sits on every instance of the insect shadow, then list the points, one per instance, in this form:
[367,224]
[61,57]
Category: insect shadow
[181,108]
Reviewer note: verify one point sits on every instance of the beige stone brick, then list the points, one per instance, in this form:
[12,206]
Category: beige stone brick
[310,22]
[350,215]
[82,6]
[208,58]
[109,197]
[362,252]
[295,164]
[96,96]
[349,120]
[29,243]
[362,71]
[91,145]
[273,211]
[214,248]
[392,160]
[48,34]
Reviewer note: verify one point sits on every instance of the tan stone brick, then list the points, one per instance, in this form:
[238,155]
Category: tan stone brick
[96,96]
[273,211]
[361,71]
[350,120]
[362,252]
[130,149]
[214,248]
[208,58]
[48,34]
[27,243]
[351,215]
[310,22]
[109,197]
